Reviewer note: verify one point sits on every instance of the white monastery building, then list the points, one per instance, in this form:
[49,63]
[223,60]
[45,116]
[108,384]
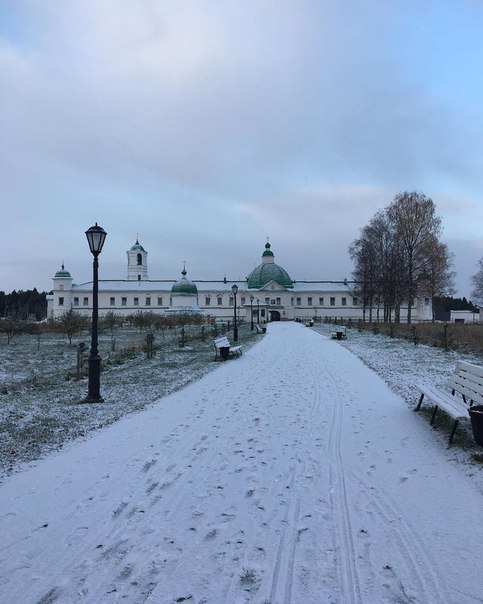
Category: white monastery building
[268,292]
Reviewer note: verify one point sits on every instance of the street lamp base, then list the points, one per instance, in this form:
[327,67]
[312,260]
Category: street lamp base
[92,399]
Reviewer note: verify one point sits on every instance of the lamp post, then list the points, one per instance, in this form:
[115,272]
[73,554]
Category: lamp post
[258,311]
[96,236]
[251,312]
[234,289]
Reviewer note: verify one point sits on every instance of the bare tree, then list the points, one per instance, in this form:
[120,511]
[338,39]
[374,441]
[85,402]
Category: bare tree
[436,278]
[111,322]
[12,325]
[477,281]
[415,223]
[397,247]
[71,323]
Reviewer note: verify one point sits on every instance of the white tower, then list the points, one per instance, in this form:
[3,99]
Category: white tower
[137,263]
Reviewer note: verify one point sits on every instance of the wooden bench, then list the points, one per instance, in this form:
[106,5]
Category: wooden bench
[261,329]
[466,381]
[222,342]
[339,334]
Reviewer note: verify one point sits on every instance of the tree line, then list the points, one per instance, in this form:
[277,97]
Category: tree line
[29,304]
[399,256]
[72,323]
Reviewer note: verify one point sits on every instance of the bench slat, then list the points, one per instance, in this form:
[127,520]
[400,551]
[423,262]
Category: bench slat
[467,389]
[454,406]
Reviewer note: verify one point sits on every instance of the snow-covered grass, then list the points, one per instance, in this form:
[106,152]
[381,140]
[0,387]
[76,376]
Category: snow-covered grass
[40,395]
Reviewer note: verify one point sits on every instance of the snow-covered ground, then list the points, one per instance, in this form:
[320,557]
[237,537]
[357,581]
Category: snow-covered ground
[291,475]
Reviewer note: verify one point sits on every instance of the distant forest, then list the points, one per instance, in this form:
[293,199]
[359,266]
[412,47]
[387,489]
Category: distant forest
[32,304]
[444,304]
[28,304]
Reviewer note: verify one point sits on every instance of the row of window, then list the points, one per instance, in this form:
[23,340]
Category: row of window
[219,301]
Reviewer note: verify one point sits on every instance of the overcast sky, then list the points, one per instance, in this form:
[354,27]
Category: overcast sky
[206,126]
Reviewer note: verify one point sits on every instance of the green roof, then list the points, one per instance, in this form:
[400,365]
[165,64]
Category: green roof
[268,271]
[63,273]
[264,273]
[184,287]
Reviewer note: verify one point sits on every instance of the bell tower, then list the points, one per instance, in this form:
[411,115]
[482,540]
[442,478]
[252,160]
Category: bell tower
[137,262]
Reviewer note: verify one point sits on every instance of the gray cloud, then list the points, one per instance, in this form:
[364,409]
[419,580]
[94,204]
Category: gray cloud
[207,126]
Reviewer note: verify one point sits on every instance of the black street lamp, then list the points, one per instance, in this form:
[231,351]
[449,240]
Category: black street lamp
[96,236]
[251,311]
[258,311]
[234,289]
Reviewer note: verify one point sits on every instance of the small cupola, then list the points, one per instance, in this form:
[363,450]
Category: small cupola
[62,273]
[184,287]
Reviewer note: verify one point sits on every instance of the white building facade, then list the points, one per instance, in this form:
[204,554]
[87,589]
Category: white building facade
[267,294]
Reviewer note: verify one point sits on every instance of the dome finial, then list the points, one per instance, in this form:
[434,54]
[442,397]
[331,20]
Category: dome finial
[183,272]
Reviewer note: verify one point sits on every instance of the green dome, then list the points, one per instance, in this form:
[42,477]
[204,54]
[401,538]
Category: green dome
[63,274]
[264,273]
[268,271]
[184,287]
[268,251]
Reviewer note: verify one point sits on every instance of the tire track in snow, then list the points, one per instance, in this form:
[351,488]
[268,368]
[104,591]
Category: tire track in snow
[409,544]
[283,573]
[339,501]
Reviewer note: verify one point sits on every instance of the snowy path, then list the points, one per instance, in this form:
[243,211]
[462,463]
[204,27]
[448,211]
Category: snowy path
[290,475]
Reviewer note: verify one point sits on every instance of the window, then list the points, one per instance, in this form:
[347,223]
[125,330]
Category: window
[332,301]
[355,301]
[426,301]
[140,259]
[207,301]
[279,301]
[272,301]
[344,301]
[148,301]
[309,301]
[136,301]
[123,301]
[76,301]
[160,301]
[112,301]
[321,301]
[85,301]
[61,301]
[231,301]
[139,277]
[61,286]
[299,301]
[267,300]
[262,312]
[243,300]
[219,300]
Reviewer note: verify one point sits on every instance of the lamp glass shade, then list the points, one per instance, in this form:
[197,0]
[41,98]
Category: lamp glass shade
[234,288]
[96,236]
